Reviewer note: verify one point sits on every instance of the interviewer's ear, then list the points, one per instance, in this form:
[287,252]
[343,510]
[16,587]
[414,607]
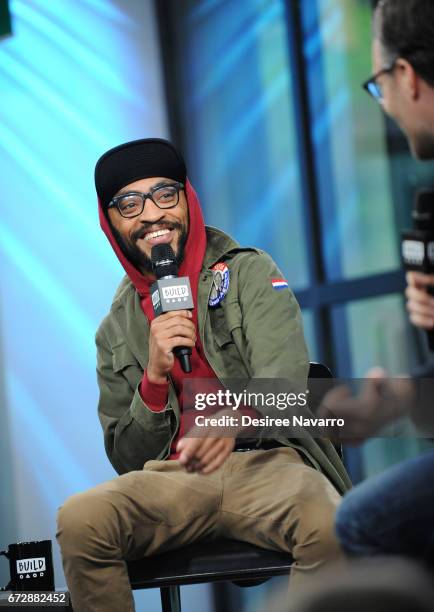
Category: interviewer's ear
[409,79]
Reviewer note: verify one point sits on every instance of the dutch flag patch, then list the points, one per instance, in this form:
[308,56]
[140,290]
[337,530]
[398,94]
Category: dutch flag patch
[279,283]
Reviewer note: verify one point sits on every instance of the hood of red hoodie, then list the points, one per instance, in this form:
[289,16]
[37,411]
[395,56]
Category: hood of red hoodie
[194,249]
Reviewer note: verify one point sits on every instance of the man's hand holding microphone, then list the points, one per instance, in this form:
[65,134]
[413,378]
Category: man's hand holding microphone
[418,260]
[420,301]
[173,333]
[169,330]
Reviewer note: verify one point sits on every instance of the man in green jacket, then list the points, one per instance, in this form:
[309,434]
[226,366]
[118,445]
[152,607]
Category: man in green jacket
[180,484]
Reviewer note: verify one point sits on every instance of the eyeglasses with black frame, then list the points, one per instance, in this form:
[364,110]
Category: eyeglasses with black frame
[373,87]
[131,204]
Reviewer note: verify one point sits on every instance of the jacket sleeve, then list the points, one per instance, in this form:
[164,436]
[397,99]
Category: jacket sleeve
[133,432]
[271,324]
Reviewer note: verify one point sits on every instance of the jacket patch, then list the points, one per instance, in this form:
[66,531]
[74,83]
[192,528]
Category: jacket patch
[220,283]
[279,283]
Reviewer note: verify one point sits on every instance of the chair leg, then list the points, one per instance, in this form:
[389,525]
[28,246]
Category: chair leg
[170,598]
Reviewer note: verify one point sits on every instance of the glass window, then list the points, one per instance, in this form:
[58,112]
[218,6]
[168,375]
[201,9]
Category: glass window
[377,333]
[238,124]
[359,234]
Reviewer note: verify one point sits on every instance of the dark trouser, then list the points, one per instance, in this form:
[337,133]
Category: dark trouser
[392,513]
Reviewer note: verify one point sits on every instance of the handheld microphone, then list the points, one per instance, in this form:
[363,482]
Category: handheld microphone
[170,292]
[418,244]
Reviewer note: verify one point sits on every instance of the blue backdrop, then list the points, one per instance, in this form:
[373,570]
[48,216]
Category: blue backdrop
[75,79]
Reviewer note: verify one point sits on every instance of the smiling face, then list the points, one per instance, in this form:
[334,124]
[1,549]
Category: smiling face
[154,225]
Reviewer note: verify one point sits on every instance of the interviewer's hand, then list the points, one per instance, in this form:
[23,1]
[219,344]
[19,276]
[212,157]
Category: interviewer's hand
[206,453]
[420,304]
[381,401]
[168,331]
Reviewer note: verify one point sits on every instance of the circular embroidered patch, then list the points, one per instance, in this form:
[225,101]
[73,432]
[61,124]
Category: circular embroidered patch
[220,283]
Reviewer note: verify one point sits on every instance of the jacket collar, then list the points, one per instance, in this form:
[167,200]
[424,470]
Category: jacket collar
[218,244]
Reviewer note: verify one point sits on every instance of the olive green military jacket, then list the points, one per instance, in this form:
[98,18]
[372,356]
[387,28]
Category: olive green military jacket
[255,332]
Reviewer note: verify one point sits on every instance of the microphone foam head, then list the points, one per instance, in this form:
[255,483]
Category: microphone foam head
[423,212]
[424,201]
[164,260]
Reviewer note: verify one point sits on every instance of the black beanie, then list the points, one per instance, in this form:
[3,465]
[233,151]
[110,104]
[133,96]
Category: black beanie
[137,160]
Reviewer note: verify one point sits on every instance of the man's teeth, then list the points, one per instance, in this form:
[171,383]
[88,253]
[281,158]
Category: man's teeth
[152,235]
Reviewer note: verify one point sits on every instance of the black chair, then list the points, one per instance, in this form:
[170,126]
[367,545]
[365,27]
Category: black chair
[221,560]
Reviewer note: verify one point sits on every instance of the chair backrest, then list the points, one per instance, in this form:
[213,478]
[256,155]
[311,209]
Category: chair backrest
[319,371]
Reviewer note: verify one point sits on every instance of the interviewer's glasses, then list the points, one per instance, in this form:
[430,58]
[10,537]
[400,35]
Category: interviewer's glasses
[131,204]
[373,86]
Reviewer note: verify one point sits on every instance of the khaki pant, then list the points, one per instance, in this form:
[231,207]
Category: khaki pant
[266,497]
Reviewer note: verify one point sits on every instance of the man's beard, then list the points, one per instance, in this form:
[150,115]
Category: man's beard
[137,257]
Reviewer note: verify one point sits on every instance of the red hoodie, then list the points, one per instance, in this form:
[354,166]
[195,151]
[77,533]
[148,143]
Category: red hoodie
[155,395]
